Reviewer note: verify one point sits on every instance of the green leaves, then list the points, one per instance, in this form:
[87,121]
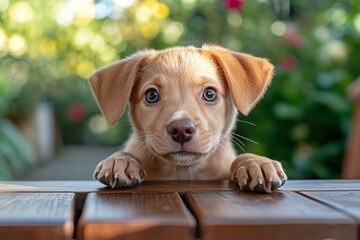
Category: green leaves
[16,155]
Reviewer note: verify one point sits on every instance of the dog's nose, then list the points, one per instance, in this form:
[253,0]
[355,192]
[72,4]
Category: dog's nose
[181,130]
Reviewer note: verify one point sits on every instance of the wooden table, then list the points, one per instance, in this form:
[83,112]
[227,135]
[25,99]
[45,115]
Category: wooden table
[302,209]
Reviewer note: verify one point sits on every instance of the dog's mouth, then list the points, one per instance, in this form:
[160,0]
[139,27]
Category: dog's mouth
[184,157]
[184,153]
[181,157]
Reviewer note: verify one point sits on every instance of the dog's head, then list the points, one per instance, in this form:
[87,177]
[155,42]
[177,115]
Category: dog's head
[183,100]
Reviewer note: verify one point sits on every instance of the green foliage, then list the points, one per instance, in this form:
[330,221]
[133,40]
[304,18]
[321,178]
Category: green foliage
[15,153]
[303,119]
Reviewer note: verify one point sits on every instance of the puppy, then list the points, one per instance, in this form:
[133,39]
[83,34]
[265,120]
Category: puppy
[183,104]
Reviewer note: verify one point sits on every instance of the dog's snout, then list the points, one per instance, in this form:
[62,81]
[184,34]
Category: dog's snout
[181,130]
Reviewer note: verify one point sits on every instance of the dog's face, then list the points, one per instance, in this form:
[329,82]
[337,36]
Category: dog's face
[181,105]
[182,100]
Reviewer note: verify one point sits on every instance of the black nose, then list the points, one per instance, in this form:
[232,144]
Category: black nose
[181,130]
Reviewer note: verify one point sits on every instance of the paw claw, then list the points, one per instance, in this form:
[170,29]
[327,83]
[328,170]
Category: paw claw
[133,182]
[245,181]
[119,183]
[282,176]
[265,174]
[259,188]
[119,171]
[260,181]
[275,185]
[104,180]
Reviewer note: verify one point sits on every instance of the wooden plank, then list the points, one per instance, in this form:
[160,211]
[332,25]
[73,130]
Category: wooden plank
[281,215]
[36,216]
[321,185]
[169,186]
[345,201]
[135,216]
[50,186]
[95,186]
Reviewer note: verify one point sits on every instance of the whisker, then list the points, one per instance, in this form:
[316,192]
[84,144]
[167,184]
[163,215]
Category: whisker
[240,136]
[237,144]
[243,121]
[239,141]
[123,121]
[141,135]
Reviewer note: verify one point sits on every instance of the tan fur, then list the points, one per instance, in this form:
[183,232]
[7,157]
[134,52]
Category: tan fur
[180,75]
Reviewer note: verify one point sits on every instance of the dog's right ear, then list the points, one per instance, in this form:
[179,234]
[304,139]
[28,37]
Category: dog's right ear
[112,85]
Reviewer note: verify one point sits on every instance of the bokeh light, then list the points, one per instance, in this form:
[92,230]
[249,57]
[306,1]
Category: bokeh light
[98,124]
[278,28]
[21,12]
[17,45]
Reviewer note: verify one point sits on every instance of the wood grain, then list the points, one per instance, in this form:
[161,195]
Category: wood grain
[321,185]
[169,186]
[36,216]
[345,201]
[95,186]
[50,186]
[41,210]
[135,216]
[281,215]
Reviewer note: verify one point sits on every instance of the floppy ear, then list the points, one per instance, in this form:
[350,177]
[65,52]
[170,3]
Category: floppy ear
[112,85]
[247,76]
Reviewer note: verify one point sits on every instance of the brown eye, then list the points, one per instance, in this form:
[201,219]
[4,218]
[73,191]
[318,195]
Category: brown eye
[210,95]
[152,96]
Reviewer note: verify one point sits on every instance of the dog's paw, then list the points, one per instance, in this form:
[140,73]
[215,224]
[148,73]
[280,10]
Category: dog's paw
[257,173]
[119,170]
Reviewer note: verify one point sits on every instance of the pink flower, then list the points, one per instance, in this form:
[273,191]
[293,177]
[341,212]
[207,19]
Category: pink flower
[288,63]
[76,112]
[234,4]
[293,37]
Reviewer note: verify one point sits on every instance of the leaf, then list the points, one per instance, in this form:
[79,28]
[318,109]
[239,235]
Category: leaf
[5,171]
[333,101]
[287,111]
[14,147]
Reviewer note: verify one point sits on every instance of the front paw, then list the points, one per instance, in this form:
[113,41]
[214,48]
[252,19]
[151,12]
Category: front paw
[257,173]
[119,170]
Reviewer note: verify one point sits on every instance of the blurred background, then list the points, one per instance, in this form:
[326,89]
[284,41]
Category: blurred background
[51,128]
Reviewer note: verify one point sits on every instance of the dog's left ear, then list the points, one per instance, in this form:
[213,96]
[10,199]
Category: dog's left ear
[112,85]
[247,76]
